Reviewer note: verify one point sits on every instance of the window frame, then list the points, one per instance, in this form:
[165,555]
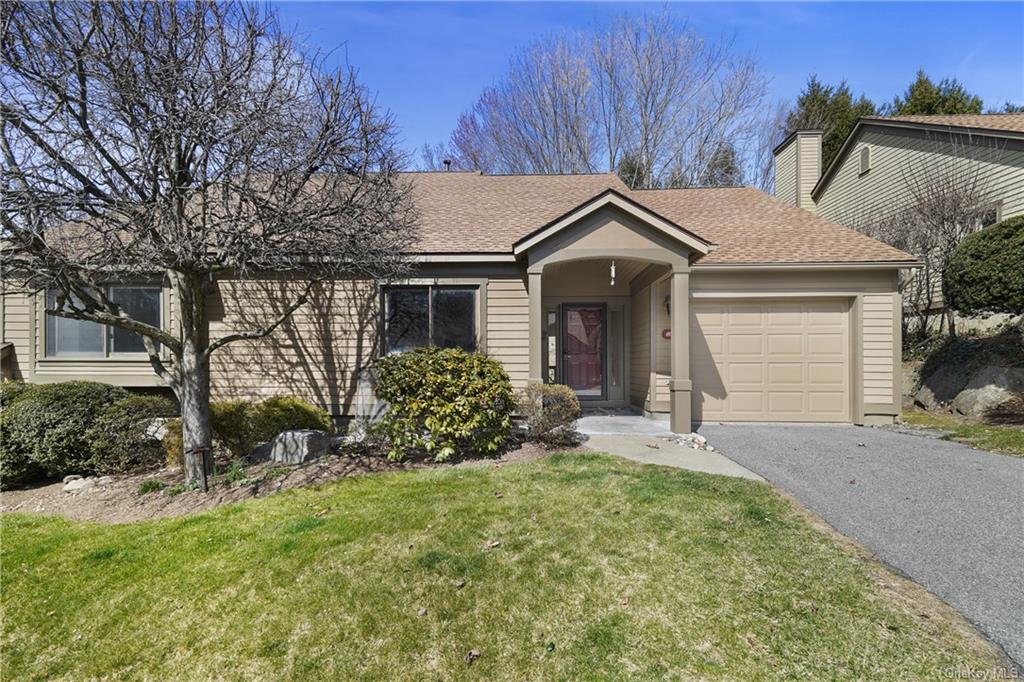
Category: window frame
[864,160]
[107,336]
[476,287]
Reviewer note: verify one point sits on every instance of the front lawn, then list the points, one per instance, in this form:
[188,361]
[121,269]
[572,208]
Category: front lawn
[1008,440]
[570,567]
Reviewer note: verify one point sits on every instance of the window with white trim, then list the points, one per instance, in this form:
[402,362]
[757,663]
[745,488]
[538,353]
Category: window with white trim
[78,338]
[416,316]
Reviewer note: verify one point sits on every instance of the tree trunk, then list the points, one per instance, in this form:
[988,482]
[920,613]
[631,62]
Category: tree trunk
[194,378]
[951,320]
[195,416]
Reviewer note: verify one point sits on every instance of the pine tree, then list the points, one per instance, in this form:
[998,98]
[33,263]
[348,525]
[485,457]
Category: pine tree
[831,109]
[924,97]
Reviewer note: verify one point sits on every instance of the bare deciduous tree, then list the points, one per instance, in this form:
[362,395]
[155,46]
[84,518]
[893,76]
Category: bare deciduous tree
[947,198]
[185,143]
[647,98]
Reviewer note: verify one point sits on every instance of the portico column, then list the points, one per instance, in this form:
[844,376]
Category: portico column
[536,327]
[680,385]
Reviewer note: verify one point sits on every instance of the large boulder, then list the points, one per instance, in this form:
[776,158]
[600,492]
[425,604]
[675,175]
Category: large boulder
[987,389]
[941,386]
[296,447]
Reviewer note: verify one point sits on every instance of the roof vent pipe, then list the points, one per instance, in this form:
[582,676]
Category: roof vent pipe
[447,164]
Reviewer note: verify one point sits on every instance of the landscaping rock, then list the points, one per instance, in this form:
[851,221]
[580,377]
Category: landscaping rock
[694,441]
[71,477]
[79,485]
[941,387]
[295,447]
[987,389]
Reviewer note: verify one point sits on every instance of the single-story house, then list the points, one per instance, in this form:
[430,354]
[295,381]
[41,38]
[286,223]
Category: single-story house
[696,304]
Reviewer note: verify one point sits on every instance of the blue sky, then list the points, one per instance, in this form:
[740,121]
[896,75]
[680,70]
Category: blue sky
[427,62]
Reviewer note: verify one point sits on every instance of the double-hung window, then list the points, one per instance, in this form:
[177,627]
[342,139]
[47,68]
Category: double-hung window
[416,316]
[79,338]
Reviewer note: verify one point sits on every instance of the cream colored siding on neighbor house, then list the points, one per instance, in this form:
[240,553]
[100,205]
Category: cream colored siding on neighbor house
[810,168]
[852,199]
[878,348]
[19,330]
[785,174]
[640,348]
[320,353]
[508,321]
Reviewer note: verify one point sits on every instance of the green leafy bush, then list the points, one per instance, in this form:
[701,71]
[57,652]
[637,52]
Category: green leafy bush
[550,411]
[173,444]
[239,425]
[986,271]
[10,391]
[443,401]
[16,469]
[50,425]
[122,437]
[231,422]
[287,413]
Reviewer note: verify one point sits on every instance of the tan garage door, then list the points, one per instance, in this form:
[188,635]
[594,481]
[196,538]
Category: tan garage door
[770,360]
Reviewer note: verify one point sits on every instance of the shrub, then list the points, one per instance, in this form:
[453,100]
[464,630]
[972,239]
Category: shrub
[231,422]
[122,437]
[151,486]
[551,411]
[442,401]
[50,425]
[287,413]
[15,467]
[10,391]
[174,444]
[986,271]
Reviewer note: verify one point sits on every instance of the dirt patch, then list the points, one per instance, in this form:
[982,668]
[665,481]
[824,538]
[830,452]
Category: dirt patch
[122,500]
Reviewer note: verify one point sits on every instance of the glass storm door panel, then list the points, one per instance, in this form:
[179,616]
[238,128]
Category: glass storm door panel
[583,349]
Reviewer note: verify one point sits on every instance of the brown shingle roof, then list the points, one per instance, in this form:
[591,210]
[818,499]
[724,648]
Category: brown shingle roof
[1006,122]
[473,213]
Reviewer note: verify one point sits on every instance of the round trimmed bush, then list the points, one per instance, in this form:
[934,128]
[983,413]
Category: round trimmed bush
[231,423]
[123,437]
[11,391]
[173,444]
[986,271]
[443,401]
[287,413]
[50,425]
[15,467]
[550,411]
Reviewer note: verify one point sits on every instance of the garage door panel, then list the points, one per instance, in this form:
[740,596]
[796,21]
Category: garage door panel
[744,344]
[771,360]
[785,344]
[746,373]
[785,373]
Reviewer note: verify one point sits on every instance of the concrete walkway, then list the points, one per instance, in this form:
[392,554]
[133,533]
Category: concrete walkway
[656,450]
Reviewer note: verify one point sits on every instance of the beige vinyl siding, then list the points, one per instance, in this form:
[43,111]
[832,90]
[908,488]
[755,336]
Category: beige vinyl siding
[321,353]
[640,348]
[878,349]
[785,174]
[853,199]
[508,321]
[809,168]
[19,330]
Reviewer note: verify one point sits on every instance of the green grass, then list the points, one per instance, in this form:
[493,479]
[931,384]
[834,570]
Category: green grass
[604,569]
[1005,439]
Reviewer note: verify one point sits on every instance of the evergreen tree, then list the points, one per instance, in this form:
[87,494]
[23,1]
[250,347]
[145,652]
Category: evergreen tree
[831,109]
[723,169]
[923,96]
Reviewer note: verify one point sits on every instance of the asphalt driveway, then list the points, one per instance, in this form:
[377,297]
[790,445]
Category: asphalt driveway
[946,515]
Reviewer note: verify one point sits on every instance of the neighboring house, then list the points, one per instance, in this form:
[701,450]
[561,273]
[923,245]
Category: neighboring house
[702,304]
[876,171]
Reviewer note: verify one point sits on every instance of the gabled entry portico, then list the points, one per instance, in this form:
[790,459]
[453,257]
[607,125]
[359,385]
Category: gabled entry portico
[579,247]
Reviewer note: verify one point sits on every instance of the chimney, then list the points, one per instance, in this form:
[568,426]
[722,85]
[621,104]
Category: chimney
[798,167]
